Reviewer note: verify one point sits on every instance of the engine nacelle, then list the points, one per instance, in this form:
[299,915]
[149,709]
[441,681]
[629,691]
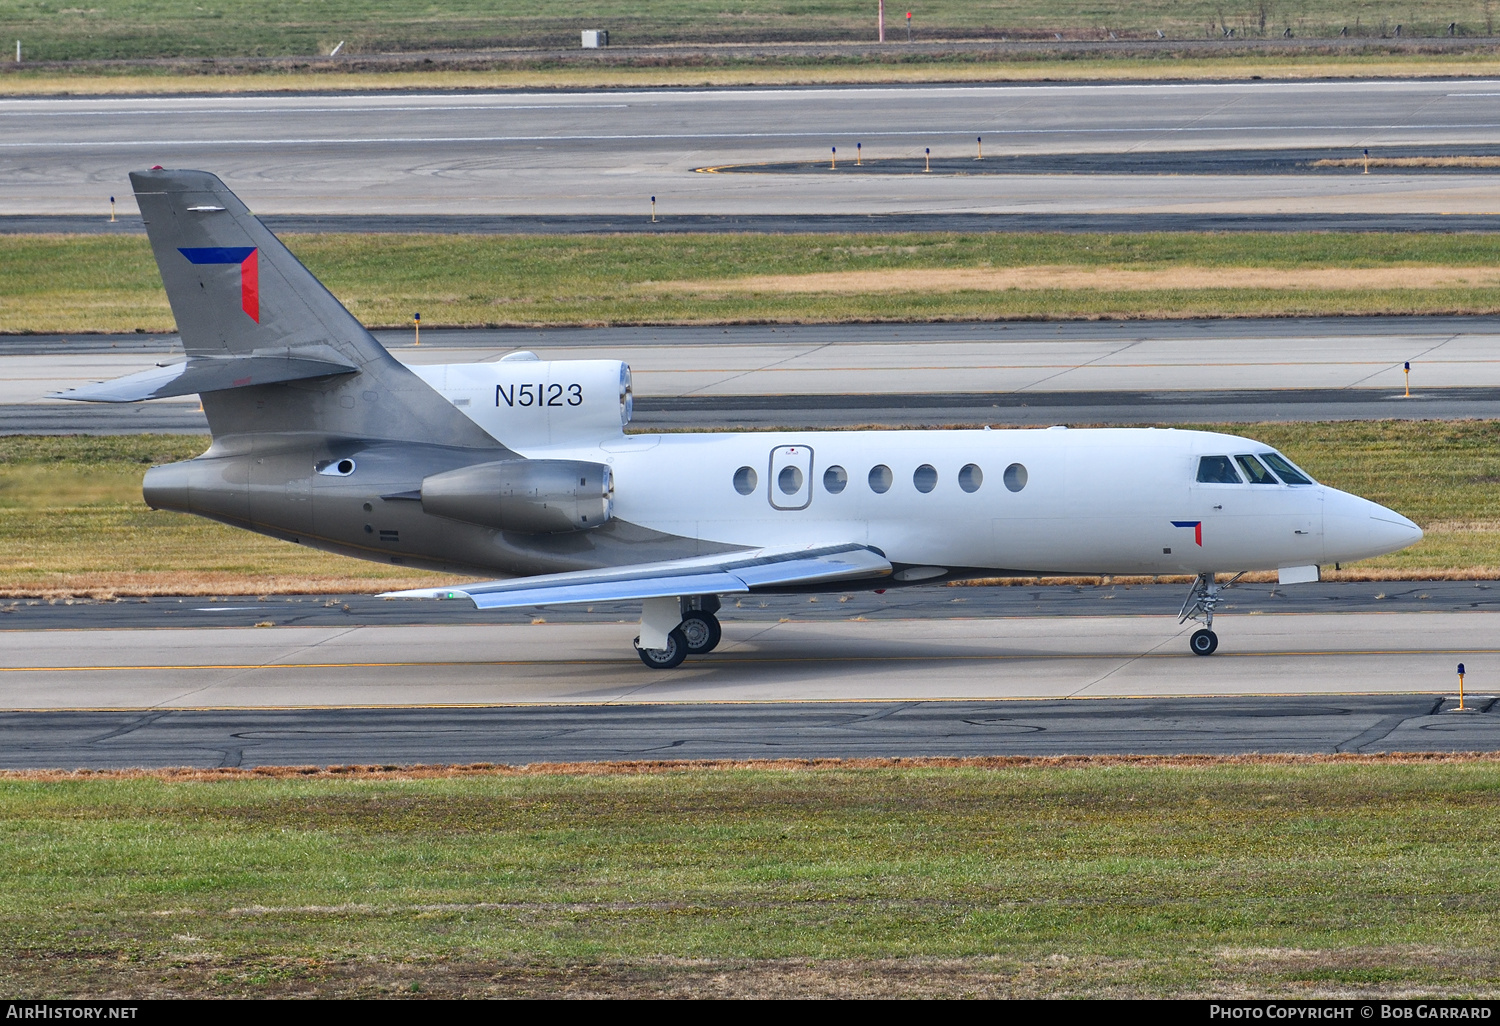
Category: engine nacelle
[532,496]
[525,402]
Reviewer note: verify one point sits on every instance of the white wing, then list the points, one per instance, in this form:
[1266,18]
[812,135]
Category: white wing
[723,574]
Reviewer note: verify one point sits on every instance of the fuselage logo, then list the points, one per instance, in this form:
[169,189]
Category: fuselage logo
[1196,525]
[249,271]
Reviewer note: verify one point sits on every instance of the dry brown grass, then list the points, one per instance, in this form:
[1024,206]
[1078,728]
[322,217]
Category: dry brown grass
[105,587]
[1360,162]
[1116,279]
[641,767]
[51,84]
[1473,573]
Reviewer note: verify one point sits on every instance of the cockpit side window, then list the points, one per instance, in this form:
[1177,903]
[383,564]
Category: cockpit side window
[1284,469]
[1256,473]
[1217,470]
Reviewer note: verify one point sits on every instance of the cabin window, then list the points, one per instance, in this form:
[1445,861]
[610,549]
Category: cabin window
[1217,470]
[789,480]
[880,479]
[744,480]
[1015,477]
[925,478]
[835,479]
[1254,472]
[1284,469]
[970,478]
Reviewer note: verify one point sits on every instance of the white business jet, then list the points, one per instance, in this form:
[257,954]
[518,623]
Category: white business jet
[522,468]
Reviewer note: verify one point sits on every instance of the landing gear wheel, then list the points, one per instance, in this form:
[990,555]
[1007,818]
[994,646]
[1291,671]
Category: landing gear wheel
[1204,642]
[665,658]
[702,631]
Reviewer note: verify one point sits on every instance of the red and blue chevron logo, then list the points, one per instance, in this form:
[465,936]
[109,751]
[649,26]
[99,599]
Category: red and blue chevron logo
[1196,525]
[249,271]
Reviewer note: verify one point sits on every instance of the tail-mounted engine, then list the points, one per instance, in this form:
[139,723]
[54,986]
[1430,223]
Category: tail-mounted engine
[531,496]
[530,403]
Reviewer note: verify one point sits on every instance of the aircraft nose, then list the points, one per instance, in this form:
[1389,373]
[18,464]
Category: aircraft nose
[1355,528]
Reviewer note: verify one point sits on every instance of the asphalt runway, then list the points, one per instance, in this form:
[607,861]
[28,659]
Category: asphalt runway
[608,152]
[827,376]
[926,684]
[211,738]
[1282,161]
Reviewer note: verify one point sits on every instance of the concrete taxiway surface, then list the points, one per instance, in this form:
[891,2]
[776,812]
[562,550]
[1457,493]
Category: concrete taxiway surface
[609,151]
[837,375]
[759,661]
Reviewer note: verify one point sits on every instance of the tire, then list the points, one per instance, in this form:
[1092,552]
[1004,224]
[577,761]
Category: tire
[702,631]
[665,658]
[1204,642]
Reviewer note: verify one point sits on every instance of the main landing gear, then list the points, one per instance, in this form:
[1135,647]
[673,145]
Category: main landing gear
[697,632]
[1199,606]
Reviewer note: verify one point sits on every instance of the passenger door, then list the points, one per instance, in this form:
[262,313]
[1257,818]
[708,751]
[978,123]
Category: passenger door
[791,477]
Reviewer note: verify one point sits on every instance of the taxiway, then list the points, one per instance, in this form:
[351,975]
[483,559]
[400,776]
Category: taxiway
[609,151]
[821,376]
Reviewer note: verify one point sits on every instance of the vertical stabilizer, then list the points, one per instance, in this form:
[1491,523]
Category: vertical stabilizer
[236,292]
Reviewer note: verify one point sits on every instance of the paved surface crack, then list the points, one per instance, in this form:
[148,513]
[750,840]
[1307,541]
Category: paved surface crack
[1382,729]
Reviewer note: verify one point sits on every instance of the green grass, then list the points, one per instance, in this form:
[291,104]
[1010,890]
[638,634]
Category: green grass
[183,28]
[51,283]
[72,520]
[1098,880]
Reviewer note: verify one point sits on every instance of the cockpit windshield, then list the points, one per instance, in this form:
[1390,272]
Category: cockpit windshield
[1254,472]
[1217,470]
[1284,469]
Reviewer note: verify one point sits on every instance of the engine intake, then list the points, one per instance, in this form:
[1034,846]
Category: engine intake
[532,496]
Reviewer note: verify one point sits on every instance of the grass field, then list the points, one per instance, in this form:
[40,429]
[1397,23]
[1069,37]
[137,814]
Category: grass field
[182,28]
[72,521]
[1105,878]
[94,80]
[57,283]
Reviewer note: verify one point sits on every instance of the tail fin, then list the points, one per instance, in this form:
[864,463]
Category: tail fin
[238,295]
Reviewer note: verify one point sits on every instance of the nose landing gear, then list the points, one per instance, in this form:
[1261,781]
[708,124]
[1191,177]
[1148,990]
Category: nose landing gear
[1203,642]
[1200,605]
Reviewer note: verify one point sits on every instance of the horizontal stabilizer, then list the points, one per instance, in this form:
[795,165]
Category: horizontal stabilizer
[200,374]
[724,574]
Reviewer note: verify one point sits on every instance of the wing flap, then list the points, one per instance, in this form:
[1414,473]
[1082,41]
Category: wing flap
[608,591]
[724,574]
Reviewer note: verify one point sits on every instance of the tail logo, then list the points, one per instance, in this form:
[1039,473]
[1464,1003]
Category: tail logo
[249,271]
[1196,525]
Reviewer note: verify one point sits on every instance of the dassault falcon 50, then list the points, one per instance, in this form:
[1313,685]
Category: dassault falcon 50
[522,469]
